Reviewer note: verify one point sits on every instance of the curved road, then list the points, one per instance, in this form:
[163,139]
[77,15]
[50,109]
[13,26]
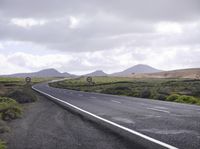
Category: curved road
[175,124]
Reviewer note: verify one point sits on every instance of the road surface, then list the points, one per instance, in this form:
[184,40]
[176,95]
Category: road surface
[177,125]
[45,125]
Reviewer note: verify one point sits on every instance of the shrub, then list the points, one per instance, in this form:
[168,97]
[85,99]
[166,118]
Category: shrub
[160,97]
[187,99]
[23,96]
[183,99]
[2,144]
[9,109]
[135,94]
[146,93]
[173,97]
[124,88]
[119,90]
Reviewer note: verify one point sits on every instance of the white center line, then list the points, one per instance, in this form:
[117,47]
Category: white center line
[115,101]
[158,110]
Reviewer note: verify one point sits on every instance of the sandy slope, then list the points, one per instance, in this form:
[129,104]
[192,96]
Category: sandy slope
[192,73]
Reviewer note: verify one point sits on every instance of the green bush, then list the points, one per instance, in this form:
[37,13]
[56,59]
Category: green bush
[183,99]
[2,144]
[9,109]
[173,97]
[135,94]
[187,99]
[24,95]
[160,97]
[119,90]
[145,93]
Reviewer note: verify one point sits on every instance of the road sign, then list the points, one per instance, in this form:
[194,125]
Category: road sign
[28,80]
[89,79]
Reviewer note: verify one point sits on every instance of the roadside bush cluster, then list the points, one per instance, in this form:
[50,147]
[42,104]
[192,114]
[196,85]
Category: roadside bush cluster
[13,92]
[160,97]
[22,96]
[119,90]
[145,93]
[183,99]
[9,109]
[187,90]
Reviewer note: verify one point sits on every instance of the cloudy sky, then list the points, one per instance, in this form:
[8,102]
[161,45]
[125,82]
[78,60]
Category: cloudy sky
[79,36]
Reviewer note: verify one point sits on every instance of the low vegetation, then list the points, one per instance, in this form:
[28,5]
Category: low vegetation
[9,109]
[176,90]
[183,99]
[14,93]
[23,95]
[2,144]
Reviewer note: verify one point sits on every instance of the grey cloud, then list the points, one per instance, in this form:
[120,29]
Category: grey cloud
[98,33]
[134,9]
[104,25]
[96,36]
[169,10]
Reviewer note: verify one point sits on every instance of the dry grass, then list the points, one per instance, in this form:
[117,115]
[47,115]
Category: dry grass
[193,73]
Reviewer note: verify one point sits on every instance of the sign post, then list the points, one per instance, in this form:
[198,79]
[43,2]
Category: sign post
[28,80]
[89,80]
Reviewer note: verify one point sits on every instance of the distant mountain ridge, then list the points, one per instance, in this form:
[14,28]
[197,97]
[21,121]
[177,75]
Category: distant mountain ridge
[54,73]
[43,73]
[140,68]
[97,73]
[137,71]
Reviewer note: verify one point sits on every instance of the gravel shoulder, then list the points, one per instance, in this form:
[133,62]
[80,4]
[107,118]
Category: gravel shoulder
[45,125]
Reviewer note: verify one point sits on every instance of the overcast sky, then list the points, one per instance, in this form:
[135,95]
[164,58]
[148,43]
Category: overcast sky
[79,36]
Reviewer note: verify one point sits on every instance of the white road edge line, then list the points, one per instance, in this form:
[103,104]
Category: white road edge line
[158,110]
[110,122]
[115,101]
[93,97]
[162,108]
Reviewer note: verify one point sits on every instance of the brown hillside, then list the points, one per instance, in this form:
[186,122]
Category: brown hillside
[193,73]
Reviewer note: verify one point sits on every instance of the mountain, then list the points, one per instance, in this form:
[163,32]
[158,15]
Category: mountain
[140,68]
[192,73]
[97,73]
[42,73]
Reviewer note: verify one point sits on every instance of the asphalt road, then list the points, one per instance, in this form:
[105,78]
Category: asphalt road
[172,123]
[45,125]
